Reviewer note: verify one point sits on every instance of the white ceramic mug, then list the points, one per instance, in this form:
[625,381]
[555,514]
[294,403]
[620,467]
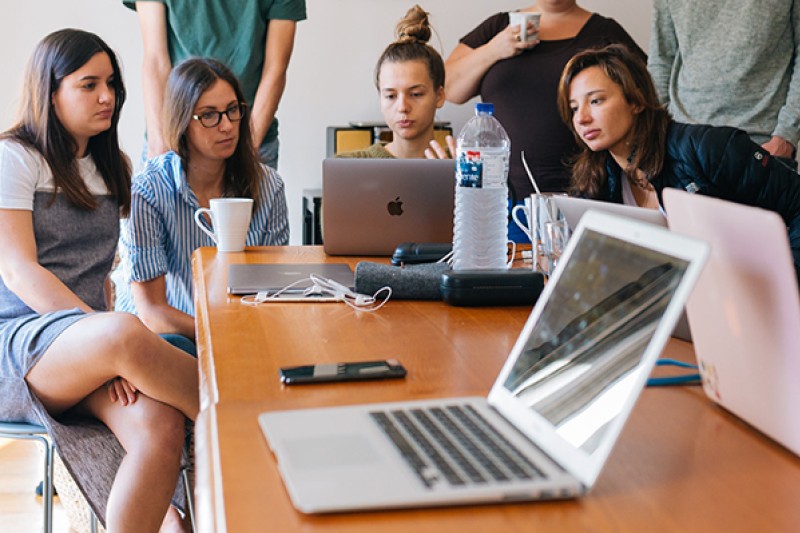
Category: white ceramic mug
[524,208]
[522,19]
[230,220]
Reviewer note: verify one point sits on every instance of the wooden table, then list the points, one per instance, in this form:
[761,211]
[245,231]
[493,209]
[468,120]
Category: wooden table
[681,464]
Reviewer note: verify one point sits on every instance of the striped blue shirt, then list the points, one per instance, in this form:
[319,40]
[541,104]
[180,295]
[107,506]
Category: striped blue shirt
[160,235]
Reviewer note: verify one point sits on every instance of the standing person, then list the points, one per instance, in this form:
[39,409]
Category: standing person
[112,395]
[731,64]
[409,77]
[521,80]
[211,156]
[632,149]
[253,37]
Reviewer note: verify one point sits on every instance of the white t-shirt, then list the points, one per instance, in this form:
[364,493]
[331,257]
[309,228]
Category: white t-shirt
[24,171]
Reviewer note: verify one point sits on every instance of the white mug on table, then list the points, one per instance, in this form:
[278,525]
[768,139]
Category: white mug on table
[230,220]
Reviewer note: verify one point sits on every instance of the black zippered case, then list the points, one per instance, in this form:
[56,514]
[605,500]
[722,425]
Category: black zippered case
[519,286]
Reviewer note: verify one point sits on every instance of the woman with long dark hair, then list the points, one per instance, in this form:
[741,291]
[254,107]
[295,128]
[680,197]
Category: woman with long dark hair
[65,363]
[211,156]
[631,149]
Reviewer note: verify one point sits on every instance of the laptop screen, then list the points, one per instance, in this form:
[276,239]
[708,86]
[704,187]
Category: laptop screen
[578,367]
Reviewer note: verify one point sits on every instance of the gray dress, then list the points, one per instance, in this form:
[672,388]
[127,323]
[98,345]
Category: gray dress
[77,246]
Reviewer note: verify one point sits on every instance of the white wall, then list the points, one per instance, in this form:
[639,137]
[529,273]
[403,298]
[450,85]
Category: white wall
[330,76]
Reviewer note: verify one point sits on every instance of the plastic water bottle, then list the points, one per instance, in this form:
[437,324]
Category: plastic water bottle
[480,231]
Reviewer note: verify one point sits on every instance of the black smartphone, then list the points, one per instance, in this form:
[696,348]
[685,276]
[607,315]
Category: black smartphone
[390,368]
[412,253]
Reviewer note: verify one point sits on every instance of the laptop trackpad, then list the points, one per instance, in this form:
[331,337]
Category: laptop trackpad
[330,451]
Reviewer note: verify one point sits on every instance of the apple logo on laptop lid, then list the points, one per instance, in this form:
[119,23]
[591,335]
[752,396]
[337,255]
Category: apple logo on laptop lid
[395,207]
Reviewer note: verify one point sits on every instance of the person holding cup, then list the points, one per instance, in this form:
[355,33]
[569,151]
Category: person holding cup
[520,76]
[213,165]
[632,149]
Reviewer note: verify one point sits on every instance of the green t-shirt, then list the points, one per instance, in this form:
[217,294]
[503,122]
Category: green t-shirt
[231,31]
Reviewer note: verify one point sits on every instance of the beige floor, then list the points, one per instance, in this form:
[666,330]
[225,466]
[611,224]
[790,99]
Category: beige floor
[20,472]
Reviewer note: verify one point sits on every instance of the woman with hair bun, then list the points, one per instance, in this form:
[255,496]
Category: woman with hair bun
[409,77]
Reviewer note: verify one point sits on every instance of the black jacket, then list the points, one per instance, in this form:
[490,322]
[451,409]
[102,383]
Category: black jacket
[724,163]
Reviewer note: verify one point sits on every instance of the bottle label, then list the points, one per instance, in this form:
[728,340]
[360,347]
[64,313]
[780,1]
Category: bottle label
[470,169]
[494,167]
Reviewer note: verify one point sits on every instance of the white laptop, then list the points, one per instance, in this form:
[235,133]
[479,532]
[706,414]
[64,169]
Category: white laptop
[745,312]
[553,414]
[370,206]
[574,208]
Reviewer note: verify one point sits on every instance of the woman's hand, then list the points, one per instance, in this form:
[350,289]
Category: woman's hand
[507,43]
[123,390]
[437,152]
[779,147]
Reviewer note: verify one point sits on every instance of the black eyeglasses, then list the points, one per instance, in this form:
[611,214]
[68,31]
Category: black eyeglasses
[209,119]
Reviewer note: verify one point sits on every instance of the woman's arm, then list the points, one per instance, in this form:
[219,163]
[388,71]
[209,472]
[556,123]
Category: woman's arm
[277,52]
[270,219]
[466,67]
[744,172]
[150,298]
[663,49]
[155,70]
[20,269]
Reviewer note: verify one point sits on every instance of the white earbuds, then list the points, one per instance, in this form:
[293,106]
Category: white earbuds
[321,288]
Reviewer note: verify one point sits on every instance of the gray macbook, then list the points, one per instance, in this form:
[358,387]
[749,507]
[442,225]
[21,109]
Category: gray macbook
[251,278]
[370,206]
[554,413]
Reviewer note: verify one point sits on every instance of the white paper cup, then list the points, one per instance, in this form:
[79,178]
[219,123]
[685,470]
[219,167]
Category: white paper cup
[230,220]
[523,20]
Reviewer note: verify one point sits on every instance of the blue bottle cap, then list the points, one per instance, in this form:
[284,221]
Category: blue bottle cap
[484,107]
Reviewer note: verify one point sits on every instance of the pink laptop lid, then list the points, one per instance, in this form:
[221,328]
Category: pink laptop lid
[745,312]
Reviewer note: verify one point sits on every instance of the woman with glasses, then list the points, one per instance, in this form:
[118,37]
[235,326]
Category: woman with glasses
[211,156]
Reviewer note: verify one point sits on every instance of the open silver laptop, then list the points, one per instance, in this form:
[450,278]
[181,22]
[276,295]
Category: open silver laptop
[553,414]
[745,312]
[574,208]
[370,206]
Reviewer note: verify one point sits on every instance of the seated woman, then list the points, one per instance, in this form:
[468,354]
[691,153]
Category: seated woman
[211,156]
[66,364]
[632,149]
[410,81]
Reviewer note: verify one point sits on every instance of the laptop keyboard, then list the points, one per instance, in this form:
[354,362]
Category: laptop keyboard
[455,443]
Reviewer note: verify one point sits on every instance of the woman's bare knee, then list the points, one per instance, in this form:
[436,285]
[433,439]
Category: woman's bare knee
[145,426]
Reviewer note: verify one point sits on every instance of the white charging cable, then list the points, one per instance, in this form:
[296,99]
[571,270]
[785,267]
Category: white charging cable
[320,290]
